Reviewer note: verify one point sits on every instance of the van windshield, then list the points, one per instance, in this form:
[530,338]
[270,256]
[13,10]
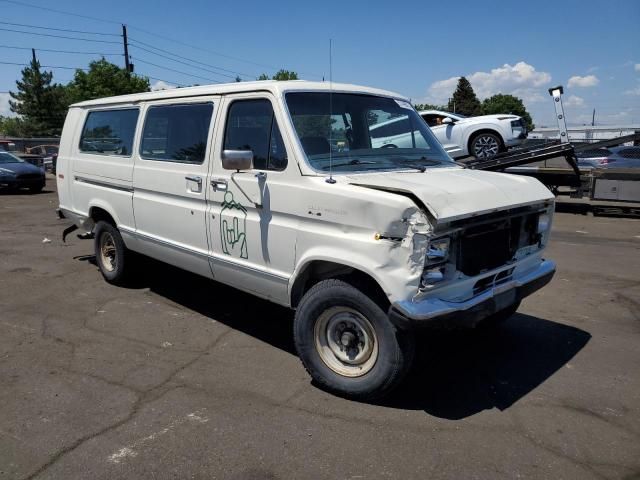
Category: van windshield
[363,133]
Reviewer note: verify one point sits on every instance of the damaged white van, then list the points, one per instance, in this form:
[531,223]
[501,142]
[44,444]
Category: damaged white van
[278,189]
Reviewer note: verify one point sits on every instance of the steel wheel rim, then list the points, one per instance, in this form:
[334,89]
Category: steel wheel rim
[346,341]
[108,251]
[485,146]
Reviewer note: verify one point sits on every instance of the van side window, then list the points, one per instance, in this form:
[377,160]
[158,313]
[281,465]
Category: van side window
[251,125]
[109,132]
[176,133]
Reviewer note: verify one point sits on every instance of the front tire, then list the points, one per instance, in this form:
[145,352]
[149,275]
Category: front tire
[111,252]
[347,343]
[485,145]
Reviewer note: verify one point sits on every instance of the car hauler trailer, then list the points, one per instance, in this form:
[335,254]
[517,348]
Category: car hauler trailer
[610,191]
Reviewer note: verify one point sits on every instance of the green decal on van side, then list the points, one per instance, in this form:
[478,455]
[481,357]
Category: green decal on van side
[233,227]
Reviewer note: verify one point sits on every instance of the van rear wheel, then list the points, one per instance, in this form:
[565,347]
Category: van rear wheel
[347,343]
[111,253]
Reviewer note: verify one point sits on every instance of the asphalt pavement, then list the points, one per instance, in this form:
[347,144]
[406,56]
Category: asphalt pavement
[176,376]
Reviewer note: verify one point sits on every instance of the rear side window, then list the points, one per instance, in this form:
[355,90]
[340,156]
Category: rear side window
[251,125]
[109,132]
[176,133]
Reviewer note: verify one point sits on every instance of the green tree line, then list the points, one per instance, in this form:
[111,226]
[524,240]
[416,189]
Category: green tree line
[465,102]
[41,105]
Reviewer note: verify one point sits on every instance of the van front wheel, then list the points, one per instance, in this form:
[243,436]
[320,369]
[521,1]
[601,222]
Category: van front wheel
[110,252]
[347,343]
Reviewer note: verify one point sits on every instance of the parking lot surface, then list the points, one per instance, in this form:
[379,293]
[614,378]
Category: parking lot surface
[176,376]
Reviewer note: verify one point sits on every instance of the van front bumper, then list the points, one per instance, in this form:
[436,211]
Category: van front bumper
[473,310]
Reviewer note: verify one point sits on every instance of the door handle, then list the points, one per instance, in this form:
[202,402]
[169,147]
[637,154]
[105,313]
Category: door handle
[219,184]
[192,178]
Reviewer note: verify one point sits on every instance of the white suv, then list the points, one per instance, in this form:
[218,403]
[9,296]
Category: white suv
[483,137]
[259,186]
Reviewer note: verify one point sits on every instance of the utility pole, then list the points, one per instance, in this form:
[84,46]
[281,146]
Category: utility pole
[127,65]
[33,55]
[593,118]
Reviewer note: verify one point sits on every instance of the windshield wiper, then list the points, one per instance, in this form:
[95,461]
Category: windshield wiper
[355,161]
[419,166]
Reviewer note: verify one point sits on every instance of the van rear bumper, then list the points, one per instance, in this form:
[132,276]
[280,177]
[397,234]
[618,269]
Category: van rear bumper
[470,312]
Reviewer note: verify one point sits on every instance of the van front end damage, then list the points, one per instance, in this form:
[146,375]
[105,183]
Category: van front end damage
[503,291]
[471,269]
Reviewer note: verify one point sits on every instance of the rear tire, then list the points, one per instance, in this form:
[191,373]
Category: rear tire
[485,145]
[36,189]
[347,343]
[111,253]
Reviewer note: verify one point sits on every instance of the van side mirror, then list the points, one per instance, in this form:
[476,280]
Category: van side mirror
[237,159]
[447,121]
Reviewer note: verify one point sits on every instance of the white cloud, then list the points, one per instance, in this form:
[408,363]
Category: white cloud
[573,101]
[586,81]
[633,91]
[4,105]
[160,85]
[440,91]
[521,80]
[636,67]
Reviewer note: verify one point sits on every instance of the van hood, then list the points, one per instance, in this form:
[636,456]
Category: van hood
[456,193]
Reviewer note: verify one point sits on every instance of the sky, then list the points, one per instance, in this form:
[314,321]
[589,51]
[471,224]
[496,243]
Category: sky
[416,48]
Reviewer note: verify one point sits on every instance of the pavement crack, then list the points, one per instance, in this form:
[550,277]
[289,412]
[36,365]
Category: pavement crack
[150,395]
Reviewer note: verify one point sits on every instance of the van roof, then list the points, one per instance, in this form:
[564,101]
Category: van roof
[273,86]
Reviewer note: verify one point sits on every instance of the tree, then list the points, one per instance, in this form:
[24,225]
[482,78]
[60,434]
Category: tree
[104,79]
[428,106]
[464,100]
[281,74]
[38,102]
[507,104]
[285,75]
[12,127]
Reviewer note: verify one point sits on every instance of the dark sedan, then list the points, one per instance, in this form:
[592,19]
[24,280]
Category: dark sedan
[614,157]
[16,173]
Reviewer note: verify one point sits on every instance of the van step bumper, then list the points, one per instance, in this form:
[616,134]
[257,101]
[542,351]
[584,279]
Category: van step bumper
[432,311]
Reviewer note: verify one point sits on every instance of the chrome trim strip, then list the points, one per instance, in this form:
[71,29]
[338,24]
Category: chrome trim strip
[208,256]
[100,183]
[276,276]
[435,307]
[163,243]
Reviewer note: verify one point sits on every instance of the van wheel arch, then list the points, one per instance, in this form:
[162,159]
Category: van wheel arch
[100,214]
[319,270]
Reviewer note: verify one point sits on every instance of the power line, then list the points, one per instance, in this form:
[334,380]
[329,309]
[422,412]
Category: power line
[185,58]
[24,4]
[174,70]
[231,57]
[184,63]
[43,66]
[59,29]
[61,51]
[58,36]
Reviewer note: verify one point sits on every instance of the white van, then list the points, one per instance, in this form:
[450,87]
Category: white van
[261,186]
